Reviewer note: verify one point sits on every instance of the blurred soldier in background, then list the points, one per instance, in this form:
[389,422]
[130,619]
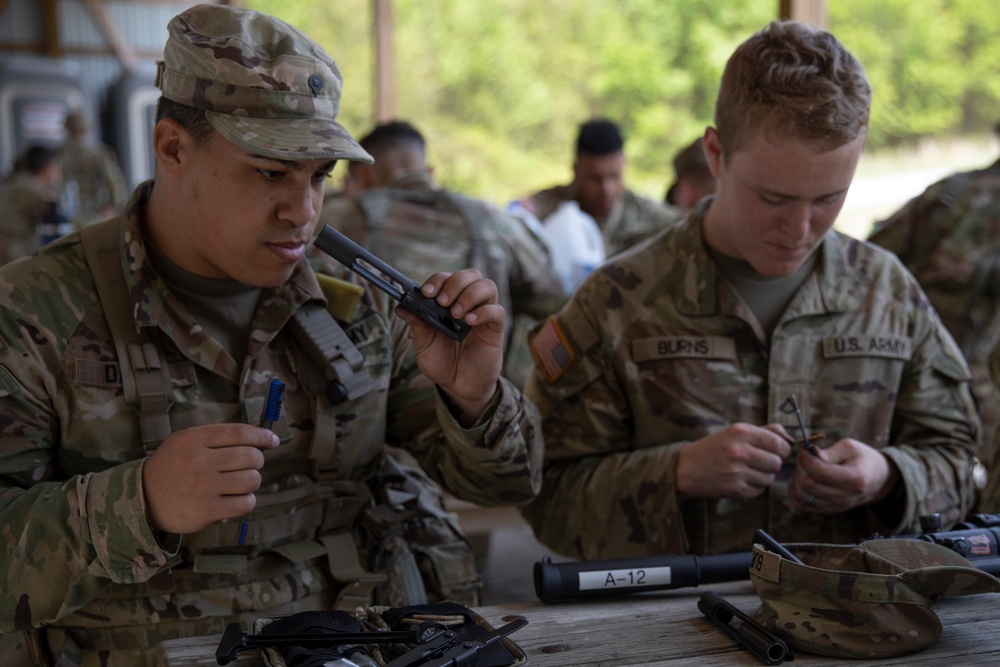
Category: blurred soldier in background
[32,187]
[692,177]
[93,180]
[949,238]
[404,217]
[598,186]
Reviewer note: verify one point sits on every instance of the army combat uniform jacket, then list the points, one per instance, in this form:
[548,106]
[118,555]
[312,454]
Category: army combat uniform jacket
[656,350]
[949,238]
[78,552]
[632,219]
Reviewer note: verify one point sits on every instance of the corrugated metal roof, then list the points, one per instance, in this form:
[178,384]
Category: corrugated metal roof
[77,28]
[142,25]
[145,25]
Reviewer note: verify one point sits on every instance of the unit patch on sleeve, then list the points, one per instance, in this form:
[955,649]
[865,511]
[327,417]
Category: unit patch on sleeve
[552,351]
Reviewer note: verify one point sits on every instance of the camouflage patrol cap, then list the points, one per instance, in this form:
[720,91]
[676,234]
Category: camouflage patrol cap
[691,160]
[264,85]
[866,601]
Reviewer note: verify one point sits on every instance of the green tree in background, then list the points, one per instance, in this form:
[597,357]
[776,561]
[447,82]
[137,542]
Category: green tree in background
[500,86]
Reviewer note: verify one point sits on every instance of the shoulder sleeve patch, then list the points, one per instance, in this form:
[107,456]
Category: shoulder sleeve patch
[552,351]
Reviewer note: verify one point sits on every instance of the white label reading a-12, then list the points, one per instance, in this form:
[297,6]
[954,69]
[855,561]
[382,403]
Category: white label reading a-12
[644,576]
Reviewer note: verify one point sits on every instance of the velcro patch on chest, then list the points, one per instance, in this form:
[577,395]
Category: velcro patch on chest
[552,352]
[683,347]
[889,347]
[93,373]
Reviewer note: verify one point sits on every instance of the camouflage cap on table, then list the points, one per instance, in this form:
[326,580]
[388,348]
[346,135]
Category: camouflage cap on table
[265,85]
[866,601]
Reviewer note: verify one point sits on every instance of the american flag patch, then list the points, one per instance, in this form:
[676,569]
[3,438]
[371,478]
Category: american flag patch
[552,351]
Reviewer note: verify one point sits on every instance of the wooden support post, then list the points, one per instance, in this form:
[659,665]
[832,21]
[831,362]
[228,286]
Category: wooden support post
[385,63]
[51,44]
[121,48]
[813,12]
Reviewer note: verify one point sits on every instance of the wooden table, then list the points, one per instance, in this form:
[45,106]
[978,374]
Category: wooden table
[665,628]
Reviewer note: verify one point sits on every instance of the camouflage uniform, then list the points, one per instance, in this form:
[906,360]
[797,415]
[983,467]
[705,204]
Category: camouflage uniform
[79,552]
[100,361]
[100,183]
[949,238]
[421,229]
[632,219]
[21,203]
[656,350]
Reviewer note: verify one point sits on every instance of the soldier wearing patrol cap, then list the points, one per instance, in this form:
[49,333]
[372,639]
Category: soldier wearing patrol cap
[672,383]
[135,360]
[692,177]
[405,218]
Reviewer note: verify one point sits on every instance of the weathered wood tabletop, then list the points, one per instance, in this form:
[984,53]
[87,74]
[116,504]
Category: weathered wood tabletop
[666,629]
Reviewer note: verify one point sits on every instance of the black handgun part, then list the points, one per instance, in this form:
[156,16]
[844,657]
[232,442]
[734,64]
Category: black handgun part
[391,281]
[766,646]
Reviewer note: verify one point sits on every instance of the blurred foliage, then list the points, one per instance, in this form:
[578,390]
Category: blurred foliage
[499,87]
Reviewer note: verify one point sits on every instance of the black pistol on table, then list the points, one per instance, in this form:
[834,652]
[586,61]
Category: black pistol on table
[390,281]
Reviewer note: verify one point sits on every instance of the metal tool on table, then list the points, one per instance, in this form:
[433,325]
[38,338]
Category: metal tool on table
[434,644]
[450,652]
[765,645]
[235,640]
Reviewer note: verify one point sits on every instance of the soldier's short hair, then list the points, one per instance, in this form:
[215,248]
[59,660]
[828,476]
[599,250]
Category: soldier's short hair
[76,123]
[792,80]
[36,158]
[599,137]
[391,135]
[191,119]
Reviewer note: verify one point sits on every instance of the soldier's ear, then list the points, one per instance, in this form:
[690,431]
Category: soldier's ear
[170,142]
[365,175]
[713,150]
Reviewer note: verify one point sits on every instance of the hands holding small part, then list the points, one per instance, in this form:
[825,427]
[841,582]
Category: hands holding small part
[743,460]
[468,370]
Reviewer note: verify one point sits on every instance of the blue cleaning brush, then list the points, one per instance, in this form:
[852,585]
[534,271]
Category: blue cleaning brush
[272,411]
